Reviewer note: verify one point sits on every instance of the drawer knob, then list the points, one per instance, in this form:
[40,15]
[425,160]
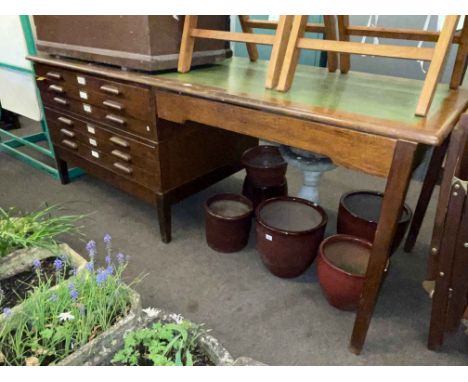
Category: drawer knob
[110,89]
[122,167]
[68,133]
[113,105]
[119,154]
[54,75]
[65,121]
[114,118]
[119,141]
[61,101]
[70,144]
[56,88]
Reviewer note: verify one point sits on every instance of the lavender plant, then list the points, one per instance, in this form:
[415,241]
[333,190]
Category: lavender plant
[53,323]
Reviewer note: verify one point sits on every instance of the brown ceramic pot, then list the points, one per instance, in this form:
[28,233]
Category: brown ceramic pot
[264,165]
[359,212]
[258,194]
[341,267]
[289,231]
[228,218]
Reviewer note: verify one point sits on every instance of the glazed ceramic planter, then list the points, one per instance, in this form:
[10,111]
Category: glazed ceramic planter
[359,212]
[257,194]
[289,231]
[265,166]
[228,218]
[341,268]
[21,260]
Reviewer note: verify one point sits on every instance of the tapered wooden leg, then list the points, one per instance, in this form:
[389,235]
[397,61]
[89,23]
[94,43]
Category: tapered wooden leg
[291,56]
[460,59]
[278,50]
[394,198]
[252,50]
[186,44]
[62,169]
[164,216]
[345,58]
[330,34]
[432,176]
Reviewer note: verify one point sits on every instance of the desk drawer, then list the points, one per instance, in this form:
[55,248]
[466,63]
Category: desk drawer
[133,104]
[141,154]
[147,178]
[100,115]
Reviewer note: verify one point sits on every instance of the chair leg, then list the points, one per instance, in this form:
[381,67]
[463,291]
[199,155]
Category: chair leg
[252,50]
[330,34]
[291,56]
[432,176]
[187,43]
[460,60]
[345,58]
[392,205]
[278,51]
[163,207]
[441,51]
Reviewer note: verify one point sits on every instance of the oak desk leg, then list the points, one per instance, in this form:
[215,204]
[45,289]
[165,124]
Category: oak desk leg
[163,206]
[62,168]
[394,198]
[430,180]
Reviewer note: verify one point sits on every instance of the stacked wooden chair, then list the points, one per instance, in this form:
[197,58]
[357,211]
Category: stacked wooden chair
[290,38]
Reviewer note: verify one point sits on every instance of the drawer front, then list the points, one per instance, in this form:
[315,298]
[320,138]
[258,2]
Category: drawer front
[132,151]
[100,158]
[133,104]
[99,115]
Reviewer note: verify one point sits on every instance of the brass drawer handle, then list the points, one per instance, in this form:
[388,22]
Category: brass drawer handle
[65,121]
[61,101]
[114,118]
[122,167]
[70,144]
[113,105]
[54,75]
[119,154]
[68,133]
[119,141]
[110,89]
[56,88]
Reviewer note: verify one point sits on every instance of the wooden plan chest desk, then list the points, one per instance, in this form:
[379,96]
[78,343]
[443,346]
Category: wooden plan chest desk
[362,121]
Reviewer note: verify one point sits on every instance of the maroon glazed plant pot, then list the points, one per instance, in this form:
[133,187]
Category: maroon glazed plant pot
[228,218]
[257,194]
[289,231]
[264,165]
[341,268]
[359,212]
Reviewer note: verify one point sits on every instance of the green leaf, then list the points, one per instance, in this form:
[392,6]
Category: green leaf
[47,333]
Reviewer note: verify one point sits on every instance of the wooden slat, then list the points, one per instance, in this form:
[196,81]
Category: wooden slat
[271,24]
[434,72]
[186,45]
[251,48]
[233,36]
[278,51]
[461,57]
[396,33]
[352,149]
[394,51]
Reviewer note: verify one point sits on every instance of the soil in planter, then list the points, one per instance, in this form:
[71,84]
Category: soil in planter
[351,258]
[16,288]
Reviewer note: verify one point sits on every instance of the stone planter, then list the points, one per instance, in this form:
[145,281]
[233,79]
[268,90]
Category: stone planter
[213,349]
[91,353]
[21,260]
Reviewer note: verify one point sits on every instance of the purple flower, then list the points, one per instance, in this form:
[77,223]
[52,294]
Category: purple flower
[91,248]
[108,259]
[109,269]
[120,258]
[71,286]
[101,277]
[37,264]
[90,266]
[53,298]
[107,238]
[74,294]
[7,312]
[58,264]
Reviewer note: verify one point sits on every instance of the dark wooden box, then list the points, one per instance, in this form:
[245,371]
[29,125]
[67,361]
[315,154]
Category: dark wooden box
[136,42]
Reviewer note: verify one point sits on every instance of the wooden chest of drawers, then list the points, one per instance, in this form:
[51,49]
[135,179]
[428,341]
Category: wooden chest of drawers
[109,128]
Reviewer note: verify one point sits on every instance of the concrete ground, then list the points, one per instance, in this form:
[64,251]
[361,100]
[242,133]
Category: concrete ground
[252,312]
